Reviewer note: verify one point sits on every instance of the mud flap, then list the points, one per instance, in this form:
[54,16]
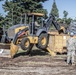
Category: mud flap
[13,50]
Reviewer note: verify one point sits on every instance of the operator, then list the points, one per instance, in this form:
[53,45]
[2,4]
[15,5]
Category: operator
[71,47]
[36,23]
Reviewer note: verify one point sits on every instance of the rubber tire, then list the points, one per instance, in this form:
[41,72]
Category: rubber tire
[28,49]
[39,45]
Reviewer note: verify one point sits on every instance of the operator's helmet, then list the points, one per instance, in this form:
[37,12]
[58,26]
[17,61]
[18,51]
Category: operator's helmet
[71,34]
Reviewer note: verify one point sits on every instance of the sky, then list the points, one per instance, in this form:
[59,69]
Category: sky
[68,5]
[1,9]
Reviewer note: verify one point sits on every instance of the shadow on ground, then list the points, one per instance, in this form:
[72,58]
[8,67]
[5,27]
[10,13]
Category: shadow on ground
[34,52]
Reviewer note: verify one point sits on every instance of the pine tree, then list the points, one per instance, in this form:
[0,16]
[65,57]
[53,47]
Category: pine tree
[54,10]
[1,20]
[15,8]
[65,16]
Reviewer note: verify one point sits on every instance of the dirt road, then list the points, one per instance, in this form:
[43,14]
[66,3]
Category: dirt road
[36,64]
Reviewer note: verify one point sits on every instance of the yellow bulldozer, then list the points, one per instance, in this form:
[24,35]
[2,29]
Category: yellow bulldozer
[33,33]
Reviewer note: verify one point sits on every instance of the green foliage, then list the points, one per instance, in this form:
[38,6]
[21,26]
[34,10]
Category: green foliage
[65,19]
[15,8]
[54,10]
[60,20]
[68,21]
[1,20]
[65,14]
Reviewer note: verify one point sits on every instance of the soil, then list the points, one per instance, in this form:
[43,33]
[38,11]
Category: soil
[37,63]
[4,46]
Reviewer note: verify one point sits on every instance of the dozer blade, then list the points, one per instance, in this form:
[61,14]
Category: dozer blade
[13,49]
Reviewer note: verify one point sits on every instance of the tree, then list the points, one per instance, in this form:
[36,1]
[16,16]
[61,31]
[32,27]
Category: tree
[54,10]
[65,14]
[15,8]
[1,20]
[59,20]
[68,21]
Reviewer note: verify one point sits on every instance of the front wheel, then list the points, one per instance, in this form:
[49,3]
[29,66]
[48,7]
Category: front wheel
[26,45]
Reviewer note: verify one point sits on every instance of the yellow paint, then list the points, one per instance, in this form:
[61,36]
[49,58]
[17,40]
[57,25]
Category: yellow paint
[27,43]
[36,14]
[18,41]
[20,28]
[43,41]
[13,50]
[52,53]
[33,39]
[57,42]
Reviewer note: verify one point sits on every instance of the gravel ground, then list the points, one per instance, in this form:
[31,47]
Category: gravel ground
[36,64]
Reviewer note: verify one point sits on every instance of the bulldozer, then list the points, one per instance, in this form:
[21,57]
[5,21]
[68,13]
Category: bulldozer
[32,34]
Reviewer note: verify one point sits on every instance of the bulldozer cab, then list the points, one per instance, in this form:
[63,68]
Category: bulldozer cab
[35,22]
